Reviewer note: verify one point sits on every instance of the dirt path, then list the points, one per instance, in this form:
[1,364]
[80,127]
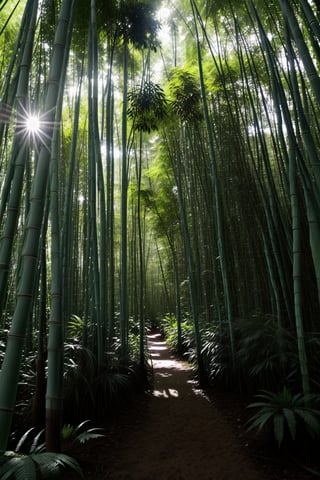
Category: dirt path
[177,436]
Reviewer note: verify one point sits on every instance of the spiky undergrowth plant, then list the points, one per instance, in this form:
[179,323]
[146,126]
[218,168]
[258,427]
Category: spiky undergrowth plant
[217,357]
[93,390]
[33,462]
[266,353]
[170,330]
[286,415]
[80,433]
[266,356]
[16,466]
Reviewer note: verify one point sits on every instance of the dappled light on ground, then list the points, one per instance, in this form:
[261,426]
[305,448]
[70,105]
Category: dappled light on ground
[158,352]
[174,434]
[164,366]
[170,392]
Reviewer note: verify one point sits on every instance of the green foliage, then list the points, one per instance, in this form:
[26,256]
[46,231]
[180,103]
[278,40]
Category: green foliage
[266,355]
[10,19]
[46,465]
[161,201]
[93,390]
[147,106]
[80,433]
[218,80]
[216,354]
[185,96]
[30,444]
[75,327]
[170,330]
[49,10]
[286,414]
[137,23]
[133,345]
[266,352]
[31,461]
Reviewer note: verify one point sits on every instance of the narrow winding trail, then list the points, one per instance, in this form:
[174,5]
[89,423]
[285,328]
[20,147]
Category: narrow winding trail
[179,435]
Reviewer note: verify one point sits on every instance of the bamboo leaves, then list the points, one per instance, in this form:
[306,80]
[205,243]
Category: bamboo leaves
[186,97]
[147,107]
[137,24]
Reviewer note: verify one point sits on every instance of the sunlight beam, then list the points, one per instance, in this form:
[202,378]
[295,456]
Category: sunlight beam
[33,125]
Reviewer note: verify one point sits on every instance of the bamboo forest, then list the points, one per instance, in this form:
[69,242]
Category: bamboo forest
[160,195]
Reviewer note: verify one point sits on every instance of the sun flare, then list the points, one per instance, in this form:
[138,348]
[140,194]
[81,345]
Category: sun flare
[33,125]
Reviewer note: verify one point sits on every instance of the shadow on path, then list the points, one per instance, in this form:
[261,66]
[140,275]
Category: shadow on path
[165,365]
[176,435]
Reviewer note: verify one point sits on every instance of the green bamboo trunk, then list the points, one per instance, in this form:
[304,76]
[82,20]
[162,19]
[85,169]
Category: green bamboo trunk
[54,394]
[96,183]
[124,219]
[29,262]
[215,186]
[20,156]
[302,47]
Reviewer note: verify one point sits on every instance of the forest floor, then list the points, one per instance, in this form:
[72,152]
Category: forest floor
[179,433]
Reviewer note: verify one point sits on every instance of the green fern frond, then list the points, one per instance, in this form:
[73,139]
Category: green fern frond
[18,467]
[311,419]
[283,411]
[50,463]
[15,466]
[291,421]
[78,434]
[259,420]
[67,431]
[23,439]
[79,427]
[278,428]
[89,435]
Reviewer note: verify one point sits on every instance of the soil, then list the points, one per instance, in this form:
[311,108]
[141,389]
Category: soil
[179,432]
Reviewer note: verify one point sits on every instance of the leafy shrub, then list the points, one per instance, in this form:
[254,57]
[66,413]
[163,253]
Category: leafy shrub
[92,390]
[170,330]
[134,346]
[285,414]
[30,461]
[80,433]
[75,327]
[217,356]
[16,466]
[266,353]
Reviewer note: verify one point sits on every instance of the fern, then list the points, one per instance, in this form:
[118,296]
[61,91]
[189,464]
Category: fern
[30,461]
[78,434]
[15,466]
[284,412]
